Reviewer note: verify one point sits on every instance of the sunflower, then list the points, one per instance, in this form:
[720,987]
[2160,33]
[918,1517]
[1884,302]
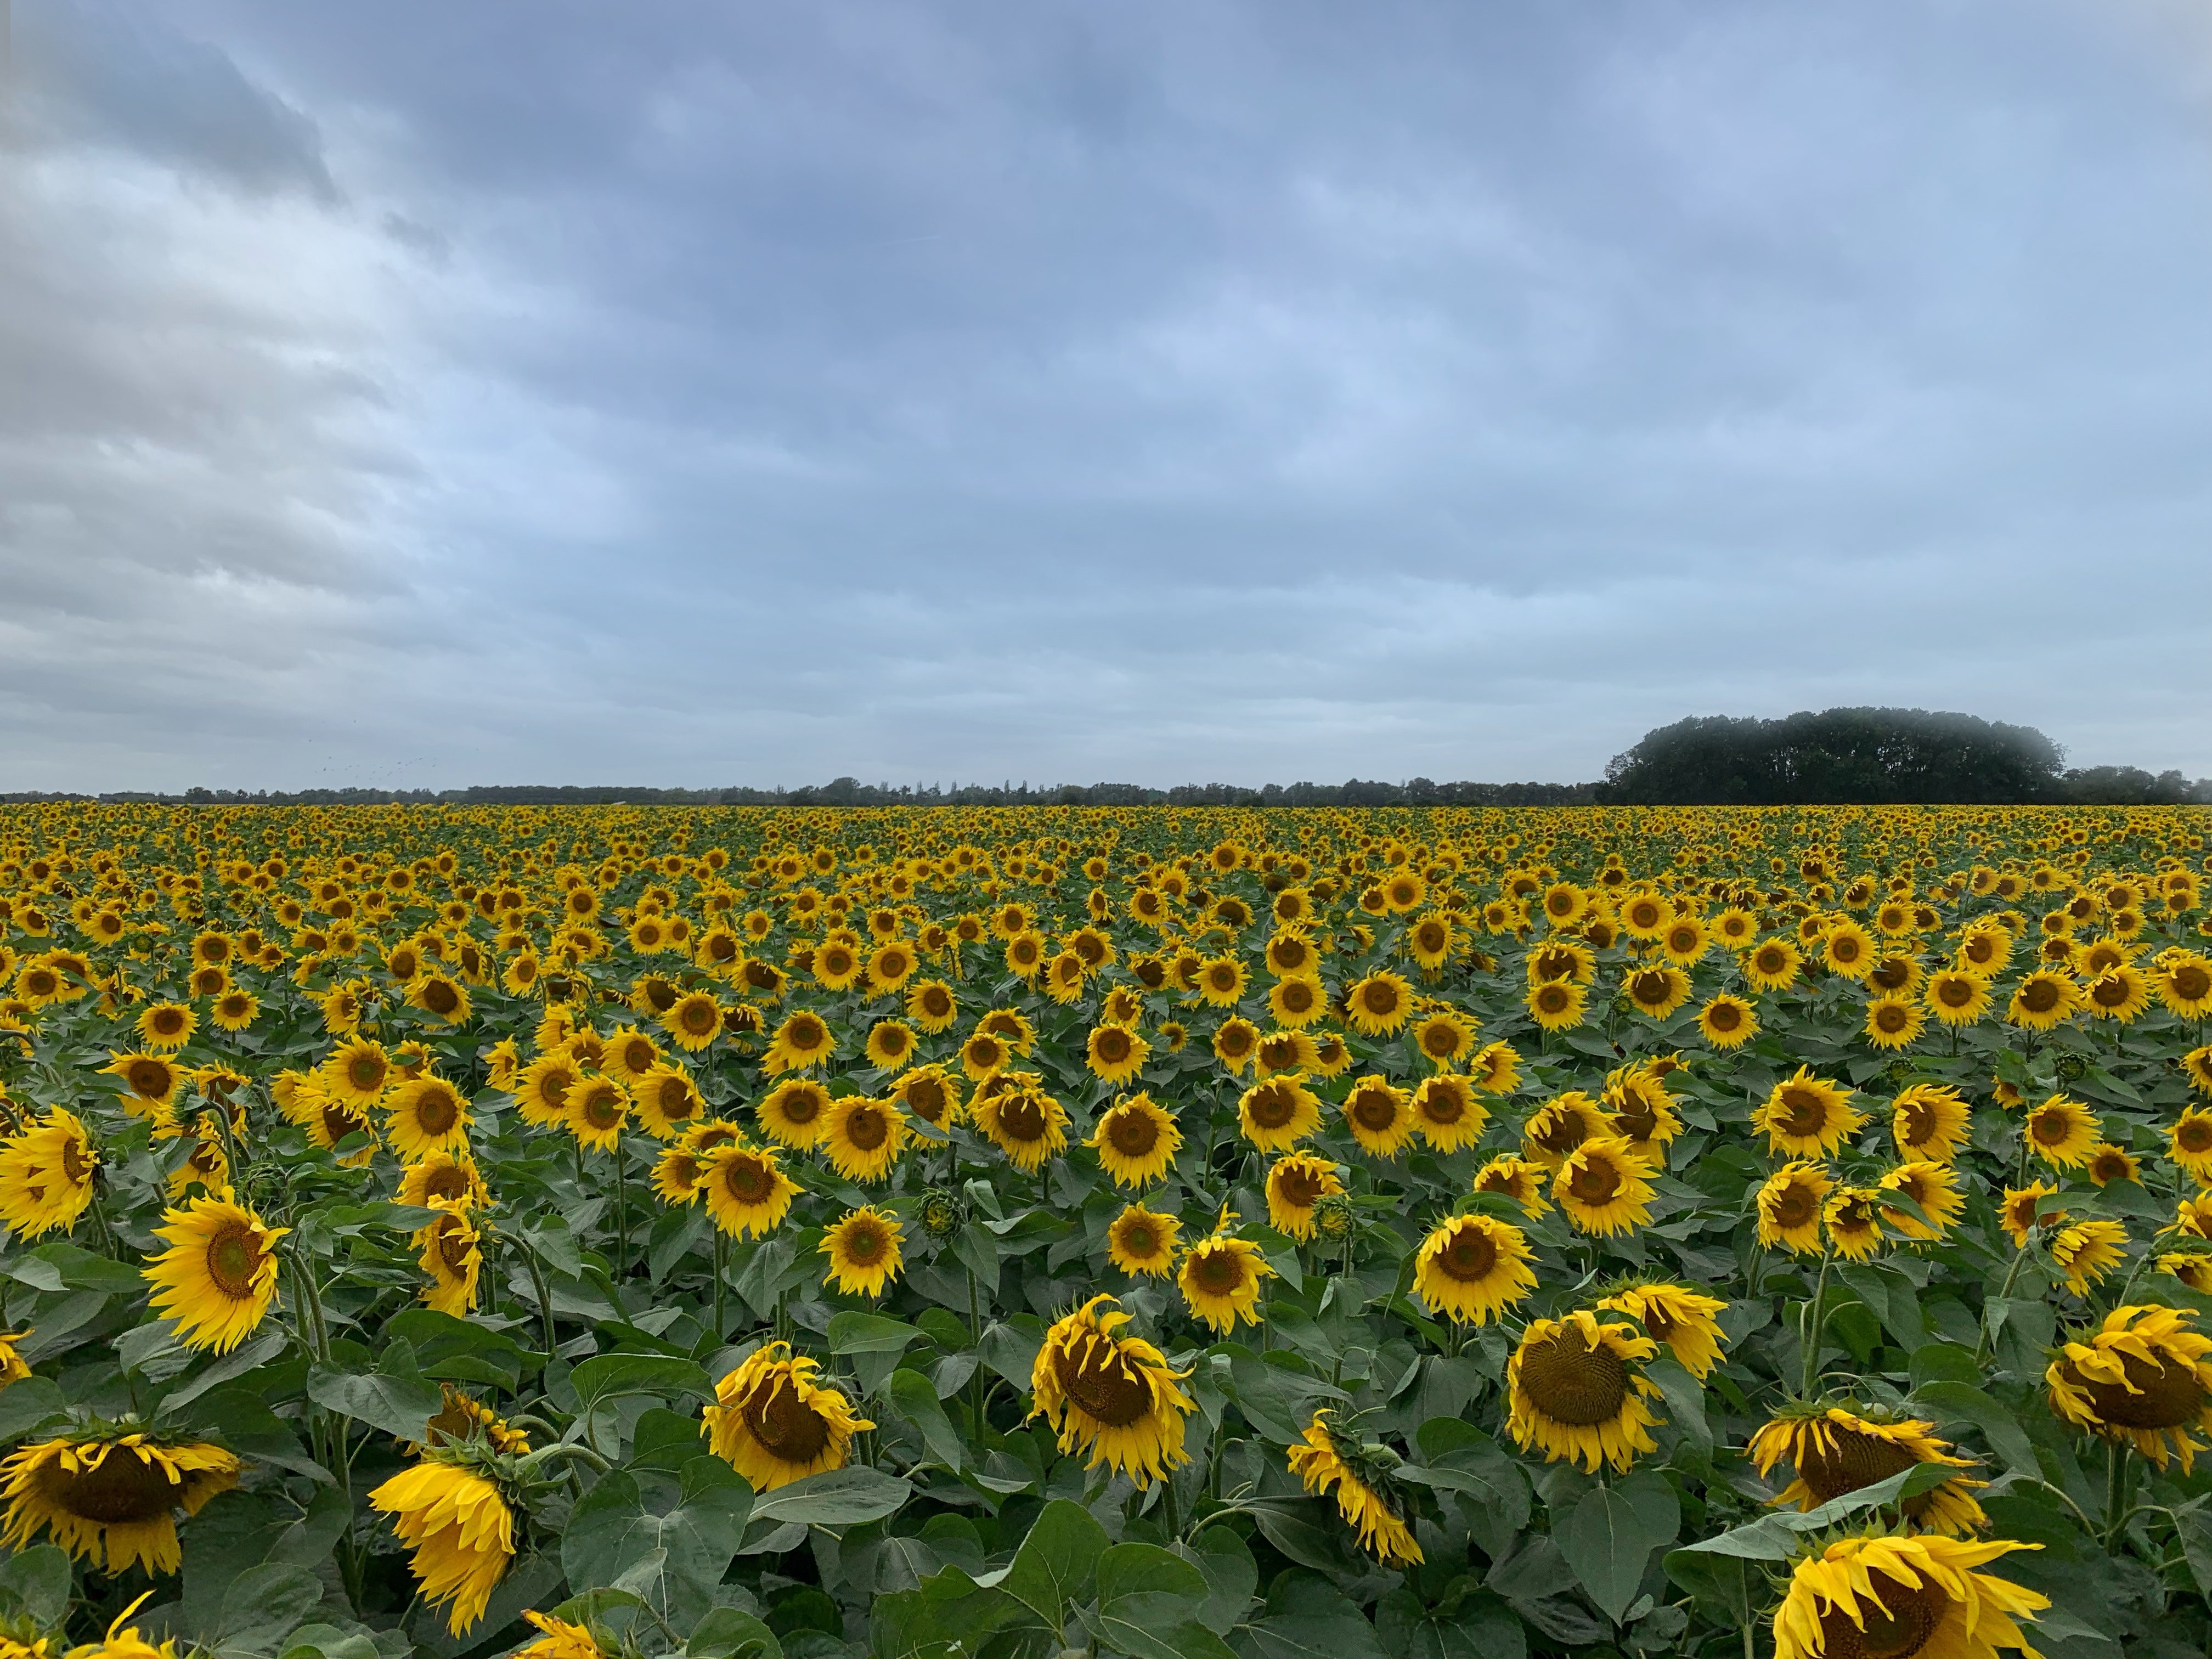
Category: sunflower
[1495,1069]
[1928,1122]
[1562,1124]
[2020,1213]
[1726,1021]
[1604,1186]
[1848,951]
[2184,983]
[541,1093]
[1221,981]
[1956,996]
[1220,1280]
[1297,1002]
[1684,1319]
[1295,1185]
[2087,1250]
[1379,1005]
[1517,1178]
[1935,1188]
[1576,1391]
[792,1113]
[1140,1240]
[439,1178]
[46,1174]
[1112,1396]
[599,1108]
[1324,1462]
[1116,1054]
[1236,1043]
[2189,1143]
[2196,1067]
[1022,1119]
[891,1045]
[1790,1205]
[110,1498]
[2062,1132]
[450,1250]
[2043,1001]
[774,1423]
[150,1081]
[2191,1268]
[983,1054]
[13,1366]
[1854,1216]
[1286,1051]
[803,1040]
[218,1277]
[930,1094]
[426,1115]
[1277,1113]
[1657,991]
[460,1529]
[2109,1162]
[1378,1115]
[865,1138]
[561,1639]
[357,1073]
[1472,1268]
[863,1248]
[1136,1142]
[932,1005]
[2120,994]
[1893,1023]
[666,1100]
[1772,965]
[1556,1004]
[1835,1452]
[1643,1111]
[1903,1598]
[1807,1117]
[1443,1037]
[1446,1112]
[165,1026]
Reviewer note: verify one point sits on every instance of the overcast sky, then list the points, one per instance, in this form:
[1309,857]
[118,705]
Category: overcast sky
[423,394]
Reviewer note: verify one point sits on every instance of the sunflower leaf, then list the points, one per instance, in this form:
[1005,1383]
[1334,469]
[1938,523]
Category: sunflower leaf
[1609,1535]
[1056,1562]
[400,1406]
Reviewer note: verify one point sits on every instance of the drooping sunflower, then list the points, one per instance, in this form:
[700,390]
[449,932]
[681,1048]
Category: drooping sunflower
[449,1249]
[1136,1140]
[1277,1112]
[1918,1597]
[14,1368]
[1519,1179]
[2086,1251]
[1379,1005]
[1295,1185]
[1577,1390]
[1934,1187]
[802,1041]
[110,1498]
[1022,1119]
[1930,1121]
[1835,1451]
[863,1248]
[1685,1320]
[560,1639]
[1111,1396]
[1143,1242]
[2043,1001]
[1473,1268]
[1376,1113]
[1807,1117]
[46,1174]
[460,1528]
[1495,1068]
[865,1138]
[1603,1186]
[792,1114]
[1562,1124]
[1325,1462]
[2062,1132]
[426,1115]
[218,1277]
[774,1423]
[1220,1279]
[2020,1213]
[1790,1205]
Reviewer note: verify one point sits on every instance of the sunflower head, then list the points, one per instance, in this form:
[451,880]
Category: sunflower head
[110,1496]
[1790,1205]
[1110,1395]
[1474,1268]
[1807,1117]
[1136,1140]
[1142,1242]
[863,1249]
[1325,1459]
[775,1421]
[2143,1378]
[1220,1279]
[1577,1390]
[218,1278]
[1918,1597]
[1836,1450]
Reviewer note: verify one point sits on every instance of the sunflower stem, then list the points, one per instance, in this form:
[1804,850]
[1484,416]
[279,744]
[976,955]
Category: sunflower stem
[2115,1492]
[1981,1347]
[1815,1324]
[544,1296]
[621,1211]
[721,1319]
[976,1335]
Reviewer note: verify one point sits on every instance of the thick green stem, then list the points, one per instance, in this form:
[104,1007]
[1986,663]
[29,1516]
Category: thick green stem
[2115,1492]
[1981,1346]
[544,1294]
[1816,1324]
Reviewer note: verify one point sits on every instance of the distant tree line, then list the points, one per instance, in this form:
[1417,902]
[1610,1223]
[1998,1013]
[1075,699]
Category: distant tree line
[1869,756]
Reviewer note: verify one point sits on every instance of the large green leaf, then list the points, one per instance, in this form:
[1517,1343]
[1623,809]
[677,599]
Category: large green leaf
[1608,1536]
[841,1498]
[671,1548]
[1056,1562]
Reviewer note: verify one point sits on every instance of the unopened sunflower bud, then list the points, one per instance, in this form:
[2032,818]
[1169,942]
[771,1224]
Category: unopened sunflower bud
[1335,1219]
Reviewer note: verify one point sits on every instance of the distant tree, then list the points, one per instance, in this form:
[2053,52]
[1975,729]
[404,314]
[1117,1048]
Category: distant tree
[1842,756]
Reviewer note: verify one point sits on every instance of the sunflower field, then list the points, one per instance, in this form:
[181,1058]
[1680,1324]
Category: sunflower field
[1178,1234]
